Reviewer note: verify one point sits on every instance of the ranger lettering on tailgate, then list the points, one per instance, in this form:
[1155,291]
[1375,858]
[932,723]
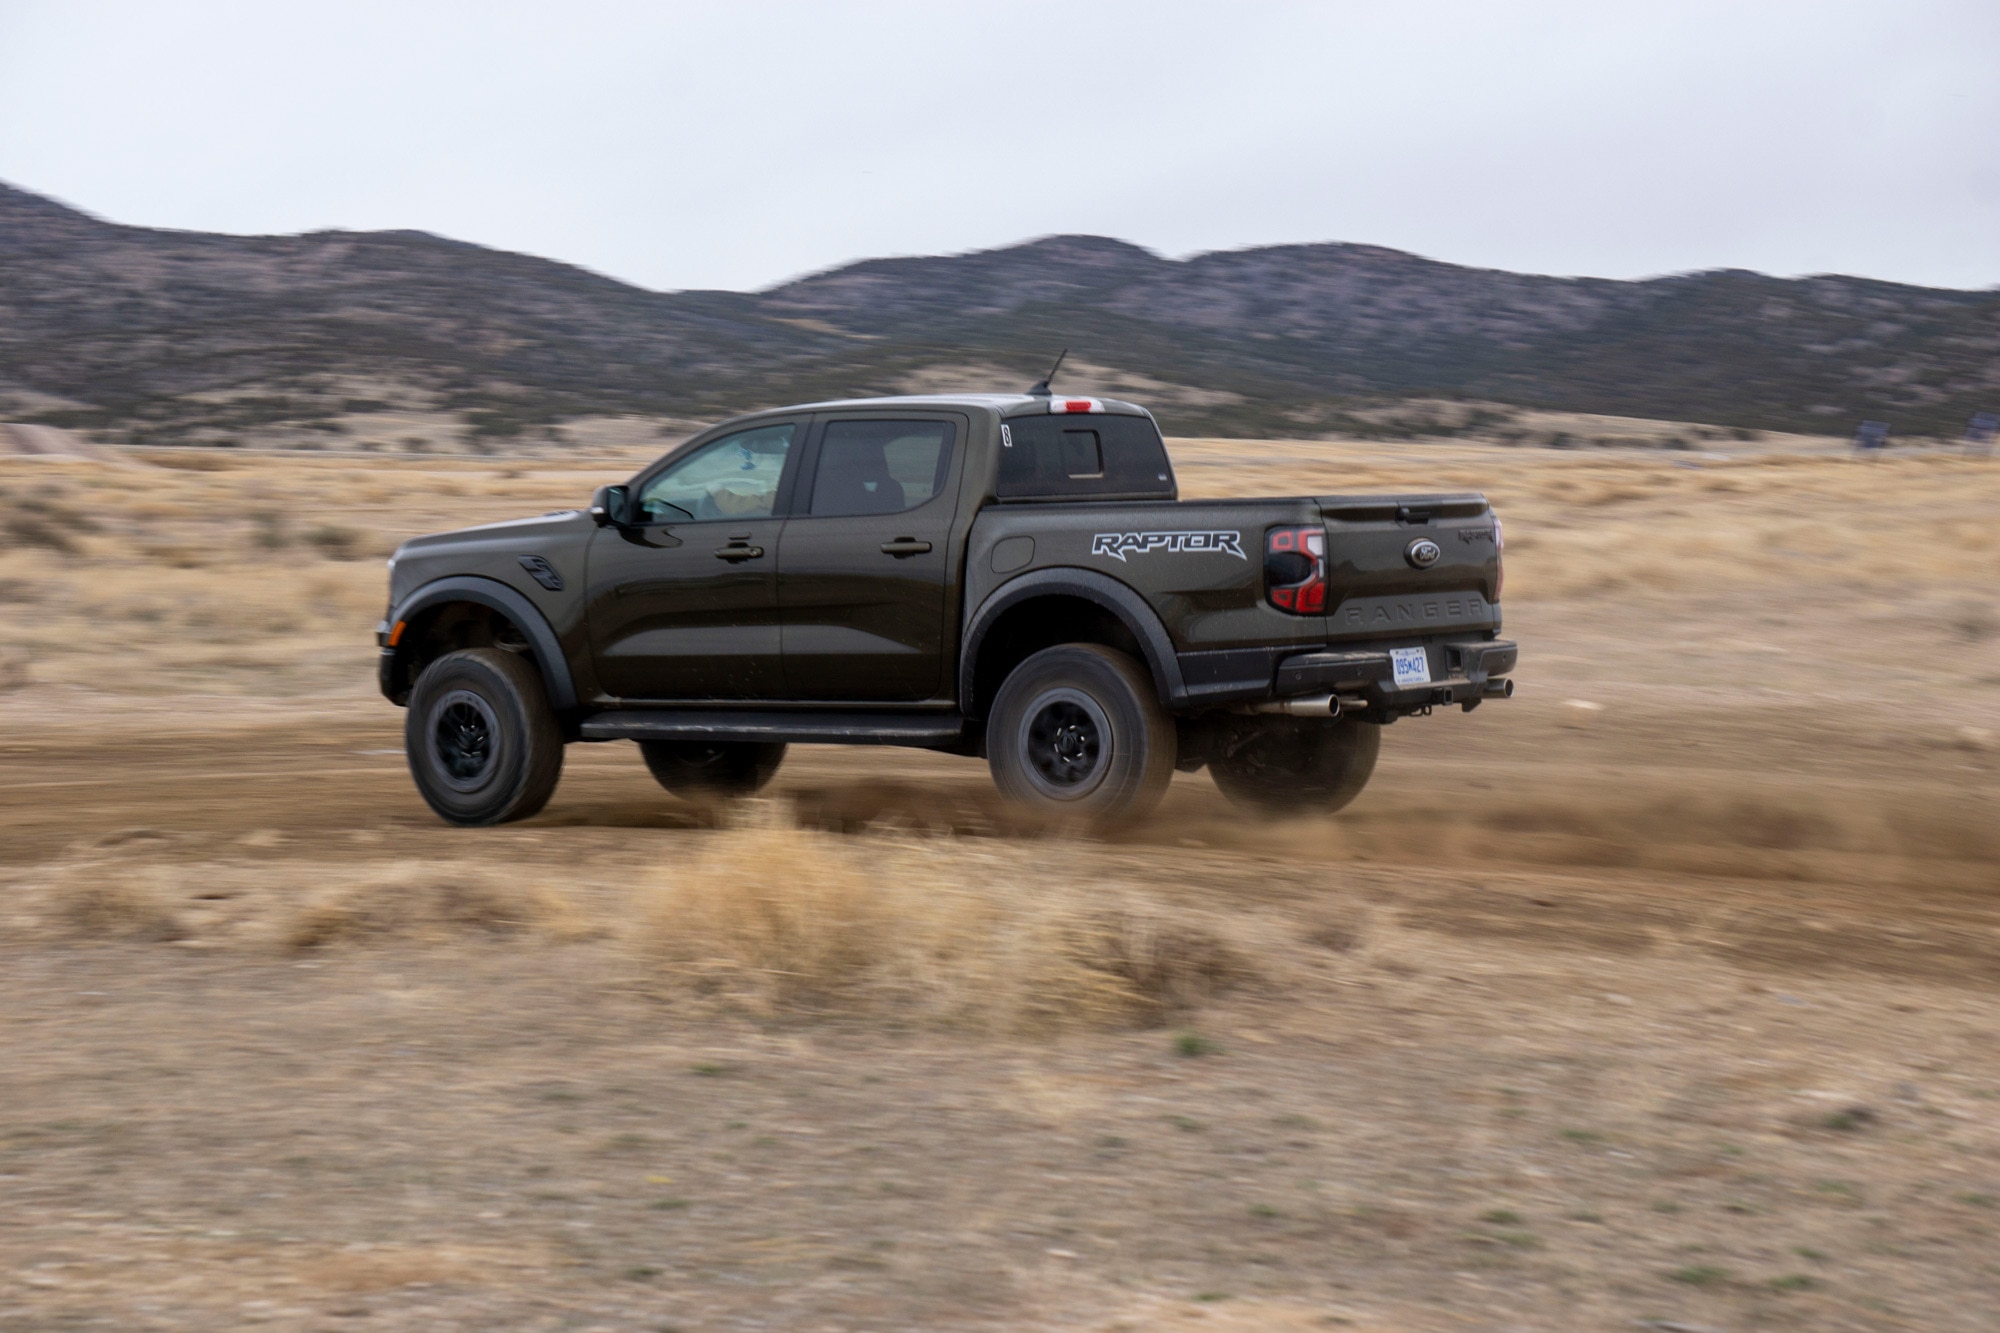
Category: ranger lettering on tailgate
[1390,612]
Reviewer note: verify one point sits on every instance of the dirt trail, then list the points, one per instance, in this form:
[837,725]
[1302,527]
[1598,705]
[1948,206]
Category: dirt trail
[1813,870]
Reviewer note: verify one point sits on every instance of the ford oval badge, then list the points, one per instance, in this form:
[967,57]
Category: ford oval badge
[1423,553]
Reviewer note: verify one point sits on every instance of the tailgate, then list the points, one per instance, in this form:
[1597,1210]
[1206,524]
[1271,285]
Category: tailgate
[1406,565]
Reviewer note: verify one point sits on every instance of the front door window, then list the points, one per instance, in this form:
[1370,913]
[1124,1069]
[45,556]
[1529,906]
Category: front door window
[735,477]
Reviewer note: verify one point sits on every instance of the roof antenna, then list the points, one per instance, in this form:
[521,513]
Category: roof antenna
[1042,389]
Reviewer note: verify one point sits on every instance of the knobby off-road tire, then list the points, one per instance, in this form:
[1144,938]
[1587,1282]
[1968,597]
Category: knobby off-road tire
[483,743]
[1077,733]
[713,770]
[1294,766]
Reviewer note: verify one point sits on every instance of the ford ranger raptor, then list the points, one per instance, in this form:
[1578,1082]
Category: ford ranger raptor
[1006,576]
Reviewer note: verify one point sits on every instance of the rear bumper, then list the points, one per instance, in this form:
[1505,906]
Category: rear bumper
[1461,667]
[1342,669]
[1460,670]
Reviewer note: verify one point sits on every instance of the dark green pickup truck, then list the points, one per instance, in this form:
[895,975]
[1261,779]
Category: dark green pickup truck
[1008,576]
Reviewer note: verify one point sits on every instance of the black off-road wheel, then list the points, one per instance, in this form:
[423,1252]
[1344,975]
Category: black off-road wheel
[1077,733]
[1296,766]
[713,770]
[483,743]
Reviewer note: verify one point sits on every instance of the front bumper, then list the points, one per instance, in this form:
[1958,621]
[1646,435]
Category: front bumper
[387,672]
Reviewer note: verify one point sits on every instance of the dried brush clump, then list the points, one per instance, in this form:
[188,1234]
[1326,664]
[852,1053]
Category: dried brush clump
[414,900]
[109,900]
[778,920]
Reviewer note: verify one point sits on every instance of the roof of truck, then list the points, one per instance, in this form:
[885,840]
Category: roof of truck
[1006,404]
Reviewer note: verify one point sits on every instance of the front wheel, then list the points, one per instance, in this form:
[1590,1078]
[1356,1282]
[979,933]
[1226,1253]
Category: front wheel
[483,743]
[1077,732]
[708,770]
[1289,766]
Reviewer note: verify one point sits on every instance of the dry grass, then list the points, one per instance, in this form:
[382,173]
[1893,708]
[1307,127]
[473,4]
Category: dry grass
[108,900]
[413,900]
[235,574]
[774,919]
[138,892]
[765,919]
[1635,523]
[258,573]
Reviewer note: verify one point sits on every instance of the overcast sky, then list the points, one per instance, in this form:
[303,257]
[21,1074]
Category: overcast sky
[735,145]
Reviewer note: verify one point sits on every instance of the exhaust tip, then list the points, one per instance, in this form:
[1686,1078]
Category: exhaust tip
[1310,705]
[1499,689]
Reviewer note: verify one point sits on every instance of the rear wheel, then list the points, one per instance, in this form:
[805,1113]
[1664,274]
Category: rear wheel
[483,743]
[1077,731]
[1291,766]
[707,770]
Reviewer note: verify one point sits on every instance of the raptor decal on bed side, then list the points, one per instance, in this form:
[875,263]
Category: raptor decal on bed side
[1118,545]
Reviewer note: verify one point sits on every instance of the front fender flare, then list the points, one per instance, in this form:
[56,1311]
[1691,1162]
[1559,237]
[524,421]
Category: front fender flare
[509,602]
[1117,598]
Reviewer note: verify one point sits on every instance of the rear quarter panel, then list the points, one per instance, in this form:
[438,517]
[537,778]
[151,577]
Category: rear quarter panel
[1197,563]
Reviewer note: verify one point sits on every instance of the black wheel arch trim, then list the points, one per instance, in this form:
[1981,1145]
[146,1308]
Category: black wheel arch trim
[525,615]
[1103,590]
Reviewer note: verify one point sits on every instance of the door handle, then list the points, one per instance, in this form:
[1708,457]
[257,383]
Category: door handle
[903,546]
[736,552]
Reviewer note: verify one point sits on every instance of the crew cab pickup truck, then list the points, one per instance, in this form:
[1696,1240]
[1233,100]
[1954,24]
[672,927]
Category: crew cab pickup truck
[1012,576]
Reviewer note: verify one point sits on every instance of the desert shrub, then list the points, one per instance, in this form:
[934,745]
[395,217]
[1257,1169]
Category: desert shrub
[273,529]
[409,900]
[191,461]
[1975,621]
[336,543]
[495,423]
[773,919]
[24,527]
[109,900]
[39,519]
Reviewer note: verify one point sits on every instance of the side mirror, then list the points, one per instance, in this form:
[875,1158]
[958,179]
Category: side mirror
[607,507]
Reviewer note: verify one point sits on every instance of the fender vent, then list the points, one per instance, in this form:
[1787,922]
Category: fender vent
[542,572]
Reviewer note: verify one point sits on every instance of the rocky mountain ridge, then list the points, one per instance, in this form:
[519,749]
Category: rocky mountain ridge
[137,333]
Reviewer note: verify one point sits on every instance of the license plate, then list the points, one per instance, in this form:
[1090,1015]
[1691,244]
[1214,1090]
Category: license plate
[1412,666]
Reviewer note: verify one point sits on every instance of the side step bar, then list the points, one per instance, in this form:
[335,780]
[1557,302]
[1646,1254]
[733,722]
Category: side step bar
[922,730]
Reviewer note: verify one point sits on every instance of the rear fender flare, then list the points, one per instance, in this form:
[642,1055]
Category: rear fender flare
[1117,598]
[524,614]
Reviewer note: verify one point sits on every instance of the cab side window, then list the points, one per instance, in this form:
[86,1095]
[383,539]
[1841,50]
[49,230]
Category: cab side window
[879,467]
[1063,457]
[730,478]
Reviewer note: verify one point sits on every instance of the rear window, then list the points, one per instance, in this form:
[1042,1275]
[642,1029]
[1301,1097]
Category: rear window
[1073,455]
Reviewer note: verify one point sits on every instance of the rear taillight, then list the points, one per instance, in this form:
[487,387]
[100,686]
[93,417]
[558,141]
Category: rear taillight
[1295,570]
[1499,558]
